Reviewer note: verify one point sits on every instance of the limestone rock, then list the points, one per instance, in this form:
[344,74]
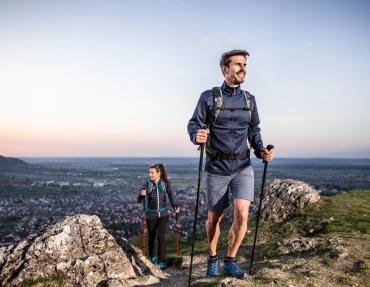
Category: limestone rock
[343,255]
[296,244]
[80,250]
[228,282]
[285,197]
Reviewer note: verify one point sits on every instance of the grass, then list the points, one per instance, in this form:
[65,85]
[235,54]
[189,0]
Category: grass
[56,281]
[350,230]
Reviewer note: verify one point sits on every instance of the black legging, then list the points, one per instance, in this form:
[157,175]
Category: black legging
[160,224]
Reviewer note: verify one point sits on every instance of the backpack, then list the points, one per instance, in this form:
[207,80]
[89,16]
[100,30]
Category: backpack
[217,107]
[163,188]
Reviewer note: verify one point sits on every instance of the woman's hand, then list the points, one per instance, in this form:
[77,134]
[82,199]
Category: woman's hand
[143,192]
[177,209]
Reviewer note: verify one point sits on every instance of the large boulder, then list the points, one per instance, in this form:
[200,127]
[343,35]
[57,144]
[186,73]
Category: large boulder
[285,197]
[79,250]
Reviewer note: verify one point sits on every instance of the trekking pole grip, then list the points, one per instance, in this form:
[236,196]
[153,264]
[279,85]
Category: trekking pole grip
[269,147]
[204,127]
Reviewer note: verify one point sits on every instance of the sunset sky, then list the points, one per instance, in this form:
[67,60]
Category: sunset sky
[122,78]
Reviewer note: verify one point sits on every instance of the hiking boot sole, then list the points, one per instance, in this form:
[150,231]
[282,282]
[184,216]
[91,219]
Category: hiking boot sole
[241,276]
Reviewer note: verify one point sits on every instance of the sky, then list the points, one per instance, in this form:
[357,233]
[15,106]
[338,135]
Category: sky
[122,78]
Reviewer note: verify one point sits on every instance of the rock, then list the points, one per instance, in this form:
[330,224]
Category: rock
[148,280]
[296,244]
[285,197]
[112,283]
[343,255]
[334,240]
[313,272]
[80,250]
[274,263]
[329,219]
[201,282]
[228,282]
[142,266]
[339,248]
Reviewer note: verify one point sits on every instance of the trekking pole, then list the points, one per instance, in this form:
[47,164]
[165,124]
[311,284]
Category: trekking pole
[144,188]
[196,203]
[269,147]
[177,236]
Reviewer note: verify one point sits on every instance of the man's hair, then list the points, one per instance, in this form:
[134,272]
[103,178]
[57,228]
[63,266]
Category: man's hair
[226,57]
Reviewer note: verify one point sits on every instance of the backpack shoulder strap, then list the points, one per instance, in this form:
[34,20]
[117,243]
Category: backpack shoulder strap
[248,99]
[149,191]
[217,104]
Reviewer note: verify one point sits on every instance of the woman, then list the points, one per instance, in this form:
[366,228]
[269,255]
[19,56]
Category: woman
[156,193]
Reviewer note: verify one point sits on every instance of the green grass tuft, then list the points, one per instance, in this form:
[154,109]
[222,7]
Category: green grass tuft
[55,281]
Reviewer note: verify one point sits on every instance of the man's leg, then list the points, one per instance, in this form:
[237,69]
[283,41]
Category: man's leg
[242,186]
[213,230]
[239,226]
[217,201]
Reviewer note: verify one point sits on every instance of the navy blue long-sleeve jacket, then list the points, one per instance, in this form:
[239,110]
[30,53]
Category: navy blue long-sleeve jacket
[157,199]
[229,133]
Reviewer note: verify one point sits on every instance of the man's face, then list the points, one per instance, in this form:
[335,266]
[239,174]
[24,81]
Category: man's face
[235,73]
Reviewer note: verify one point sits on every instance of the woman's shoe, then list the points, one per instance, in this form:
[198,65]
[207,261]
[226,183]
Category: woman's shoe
[162,266]
[153,259]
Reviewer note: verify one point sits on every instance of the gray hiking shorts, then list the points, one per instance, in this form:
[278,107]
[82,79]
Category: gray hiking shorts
[240,184]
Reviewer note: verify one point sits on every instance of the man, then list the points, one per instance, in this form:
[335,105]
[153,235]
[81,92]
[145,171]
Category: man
[228,166]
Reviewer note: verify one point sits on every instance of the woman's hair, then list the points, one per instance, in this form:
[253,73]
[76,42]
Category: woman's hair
[160,168]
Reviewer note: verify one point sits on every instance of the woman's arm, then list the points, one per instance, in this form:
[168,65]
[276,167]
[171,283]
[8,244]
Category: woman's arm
[140,198]
[170,195]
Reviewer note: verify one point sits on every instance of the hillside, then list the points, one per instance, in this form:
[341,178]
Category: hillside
[9,164]
[327,246]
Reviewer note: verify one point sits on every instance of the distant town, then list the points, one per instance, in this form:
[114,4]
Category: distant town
[118,210]
[45,191]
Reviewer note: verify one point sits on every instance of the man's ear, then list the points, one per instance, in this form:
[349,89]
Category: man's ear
[224,69]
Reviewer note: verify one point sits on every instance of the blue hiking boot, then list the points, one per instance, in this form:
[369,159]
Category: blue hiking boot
[162,266]
[232,268]
[213,265]
[153,259]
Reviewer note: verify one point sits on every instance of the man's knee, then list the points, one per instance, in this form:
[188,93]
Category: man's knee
[241,210]
[242,216]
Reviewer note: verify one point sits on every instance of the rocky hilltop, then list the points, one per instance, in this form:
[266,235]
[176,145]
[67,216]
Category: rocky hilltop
[80,251]
[283,198]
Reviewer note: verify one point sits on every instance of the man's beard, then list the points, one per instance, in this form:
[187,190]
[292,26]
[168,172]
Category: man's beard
[237,81]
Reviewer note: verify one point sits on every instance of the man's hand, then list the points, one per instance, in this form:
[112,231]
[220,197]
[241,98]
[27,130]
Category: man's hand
[177,209]
[202,135]
[267,155]
[143,192]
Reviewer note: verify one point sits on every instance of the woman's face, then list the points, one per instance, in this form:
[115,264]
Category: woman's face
[154,174]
